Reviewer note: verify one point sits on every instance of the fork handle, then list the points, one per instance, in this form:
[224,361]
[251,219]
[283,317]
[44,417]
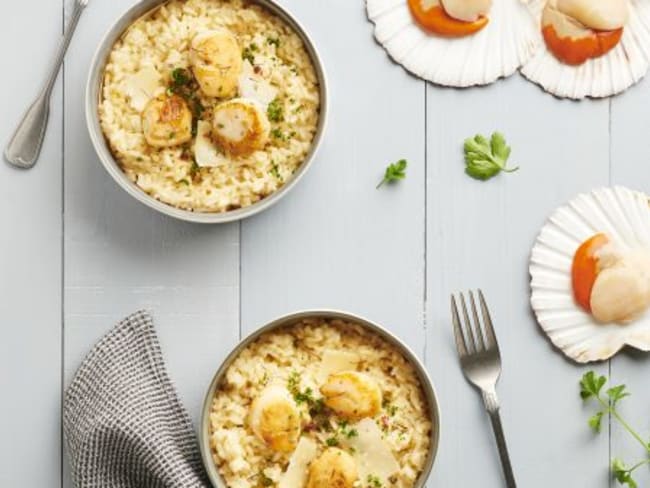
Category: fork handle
[492,406]
[25,144]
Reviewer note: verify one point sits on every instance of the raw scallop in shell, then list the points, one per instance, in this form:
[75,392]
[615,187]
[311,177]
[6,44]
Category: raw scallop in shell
[509,39]
[623,216]
[603,76]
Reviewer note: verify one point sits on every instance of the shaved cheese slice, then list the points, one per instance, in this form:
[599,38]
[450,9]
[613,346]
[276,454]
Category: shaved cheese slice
[296,474]
[206,153]
[335,361]
[141,87]
[255,87]
[372,454]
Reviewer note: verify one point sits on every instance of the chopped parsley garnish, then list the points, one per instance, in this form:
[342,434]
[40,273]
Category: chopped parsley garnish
[275,171]
[306,396]
[391,409]
[278,134]
[248,53]
[332,441]
[352,433]
[181,77]
[264,480]
[275,111]
[194,169]
[273,41]
[374,481]
[185,86]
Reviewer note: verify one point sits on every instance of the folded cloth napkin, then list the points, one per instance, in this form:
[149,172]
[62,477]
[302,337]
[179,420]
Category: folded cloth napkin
[123,422]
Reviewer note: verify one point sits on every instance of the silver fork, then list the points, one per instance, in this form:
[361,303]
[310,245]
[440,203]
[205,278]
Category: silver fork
[481,363]
[25,144]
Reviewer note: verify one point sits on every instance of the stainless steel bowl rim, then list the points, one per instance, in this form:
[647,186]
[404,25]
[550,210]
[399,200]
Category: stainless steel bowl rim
[290,319]
[93,92]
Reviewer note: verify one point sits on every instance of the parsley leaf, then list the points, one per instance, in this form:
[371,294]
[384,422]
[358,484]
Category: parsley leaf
[622,474]
[394,172]
[485,158]
[590,385]
[617,393]
[595,421]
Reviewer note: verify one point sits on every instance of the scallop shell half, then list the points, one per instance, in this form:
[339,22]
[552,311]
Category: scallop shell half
[622,214]
[498,50]
[622,67]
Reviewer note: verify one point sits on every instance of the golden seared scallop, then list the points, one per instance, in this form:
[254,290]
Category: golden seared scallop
[578,30]
[334,468]
[602,15]
[216,61]
[275,419]
[167,121]
[467,10]
[240,126]
[352,395]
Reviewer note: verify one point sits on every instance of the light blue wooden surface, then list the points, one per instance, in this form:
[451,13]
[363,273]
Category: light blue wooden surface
[78,253]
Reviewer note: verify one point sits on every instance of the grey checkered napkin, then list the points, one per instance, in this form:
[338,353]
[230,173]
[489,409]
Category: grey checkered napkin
[124,425]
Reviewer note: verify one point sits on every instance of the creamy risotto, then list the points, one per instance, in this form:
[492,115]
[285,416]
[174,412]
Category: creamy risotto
[209,105]
[320,404]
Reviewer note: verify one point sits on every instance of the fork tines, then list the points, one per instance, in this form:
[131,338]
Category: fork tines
[476,338]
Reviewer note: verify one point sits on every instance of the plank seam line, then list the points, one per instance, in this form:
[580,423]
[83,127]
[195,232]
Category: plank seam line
[425,257]
[62,281]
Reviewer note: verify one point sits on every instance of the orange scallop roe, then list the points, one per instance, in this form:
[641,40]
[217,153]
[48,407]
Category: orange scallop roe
[584,270]
[576,50]
[436,20]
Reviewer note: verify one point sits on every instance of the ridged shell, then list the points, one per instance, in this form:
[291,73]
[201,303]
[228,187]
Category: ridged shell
[601,77]
[622,214]
[503,46]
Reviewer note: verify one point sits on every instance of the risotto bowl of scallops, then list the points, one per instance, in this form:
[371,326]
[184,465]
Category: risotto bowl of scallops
[207,110]
[320,399]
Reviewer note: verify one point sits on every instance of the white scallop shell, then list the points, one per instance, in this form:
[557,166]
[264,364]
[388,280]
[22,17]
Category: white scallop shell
[622,214]
[606,76]
[498,50]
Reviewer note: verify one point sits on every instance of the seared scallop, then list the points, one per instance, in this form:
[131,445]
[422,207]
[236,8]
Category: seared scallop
[167,122]
[352,395]
[600,15]
[240,126]
[216,62]
[275,419]
[334,468]
[466,10]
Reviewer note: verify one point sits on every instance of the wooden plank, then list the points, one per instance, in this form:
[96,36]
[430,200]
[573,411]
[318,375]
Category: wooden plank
[629,163]
[336,241]
[120,256]
[480,235]
[30,345]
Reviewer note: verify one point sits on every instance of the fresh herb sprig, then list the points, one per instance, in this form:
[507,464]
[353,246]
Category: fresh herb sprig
[591,387]
[485,158]
[394,172]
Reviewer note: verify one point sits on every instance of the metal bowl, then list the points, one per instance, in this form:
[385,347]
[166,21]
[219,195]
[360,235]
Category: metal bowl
[288,320]
[93,94]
